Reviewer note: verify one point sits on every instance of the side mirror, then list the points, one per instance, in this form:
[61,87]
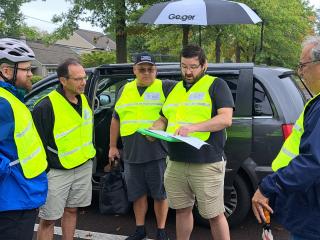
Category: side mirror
[104,100]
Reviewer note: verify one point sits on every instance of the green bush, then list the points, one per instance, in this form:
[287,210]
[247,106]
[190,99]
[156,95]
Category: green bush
[36,78]
[98,58]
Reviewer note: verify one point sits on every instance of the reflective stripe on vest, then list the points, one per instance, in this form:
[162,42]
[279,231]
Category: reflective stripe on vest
[186,107]
[72,133]
[137,111]
[31,154]
[290,148]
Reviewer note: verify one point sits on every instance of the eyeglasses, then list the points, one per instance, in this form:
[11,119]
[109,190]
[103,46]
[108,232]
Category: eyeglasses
[78,79]
[192,68]
[28,69]
[302,65]
[146,70]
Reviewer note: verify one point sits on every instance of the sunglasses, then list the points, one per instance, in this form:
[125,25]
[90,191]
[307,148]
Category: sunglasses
[146,70]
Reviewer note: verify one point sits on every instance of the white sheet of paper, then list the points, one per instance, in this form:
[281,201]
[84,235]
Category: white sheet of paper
[195,142]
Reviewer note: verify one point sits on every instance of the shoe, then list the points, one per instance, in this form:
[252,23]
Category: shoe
[162,235]
[138,235]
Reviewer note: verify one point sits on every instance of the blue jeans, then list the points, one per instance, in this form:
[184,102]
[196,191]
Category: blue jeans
[295,237]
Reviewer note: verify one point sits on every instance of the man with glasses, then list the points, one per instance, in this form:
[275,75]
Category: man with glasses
[138,106]
[23,181]
[200,106]
[65,123]
[292,192]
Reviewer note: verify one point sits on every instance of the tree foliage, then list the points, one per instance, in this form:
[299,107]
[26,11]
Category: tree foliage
[110,15]
[11,18]
[285,24]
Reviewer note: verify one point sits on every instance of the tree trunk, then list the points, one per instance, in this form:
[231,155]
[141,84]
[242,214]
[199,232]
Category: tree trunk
[238,53]
[218,48]
[254,54]
[185,36]
[121,31]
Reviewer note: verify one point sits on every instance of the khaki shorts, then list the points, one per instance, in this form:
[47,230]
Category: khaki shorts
[185,182]
[67,188]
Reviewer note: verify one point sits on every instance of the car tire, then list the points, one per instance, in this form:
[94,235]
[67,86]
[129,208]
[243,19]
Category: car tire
[236,209]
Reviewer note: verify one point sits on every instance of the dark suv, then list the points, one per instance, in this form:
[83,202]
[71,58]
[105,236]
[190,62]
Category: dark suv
[267,103]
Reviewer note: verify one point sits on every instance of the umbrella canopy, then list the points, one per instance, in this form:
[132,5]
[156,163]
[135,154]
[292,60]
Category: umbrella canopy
[200,12]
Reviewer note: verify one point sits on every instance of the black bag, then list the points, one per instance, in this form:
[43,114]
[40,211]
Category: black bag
[113,194]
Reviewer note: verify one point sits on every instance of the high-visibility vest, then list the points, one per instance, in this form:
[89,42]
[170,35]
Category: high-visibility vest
[137,111]
[30,151]
[72,133]
[187,107]
[290,148]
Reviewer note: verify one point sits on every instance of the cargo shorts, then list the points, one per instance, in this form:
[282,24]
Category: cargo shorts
[67,188]
[204,182]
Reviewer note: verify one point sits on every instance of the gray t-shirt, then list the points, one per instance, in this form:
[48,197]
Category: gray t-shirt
[136,148]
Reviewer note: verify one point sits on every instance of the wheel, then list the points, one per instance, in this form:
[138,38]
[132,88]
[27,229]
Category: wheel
[237,207]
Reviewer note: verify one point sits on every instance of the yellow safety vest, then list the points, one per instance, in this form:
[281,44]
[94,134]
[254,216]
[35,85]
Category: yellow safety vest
[31,154]
[290,148]
[137,111]
[72,133]
[186,107]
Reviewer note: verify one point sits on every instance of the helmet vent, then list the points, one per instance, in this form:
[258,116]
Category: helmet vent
[21,49]
[14,53]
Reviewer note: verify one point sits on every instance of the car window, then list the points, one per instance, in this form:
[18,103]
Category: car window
[232,81]
[261,104]
[107,90]
[30,102]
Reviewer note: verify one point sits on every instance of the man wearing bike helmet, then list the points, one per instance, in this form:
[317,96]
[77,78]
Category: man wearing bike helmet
[23,181]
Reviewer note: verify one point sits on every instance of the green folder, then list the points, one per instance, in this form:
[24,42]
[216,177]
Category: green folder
[156,135]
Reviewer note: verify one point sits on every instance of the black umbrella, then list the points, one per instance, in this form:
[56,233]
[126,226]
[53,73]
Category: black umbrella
[200,12]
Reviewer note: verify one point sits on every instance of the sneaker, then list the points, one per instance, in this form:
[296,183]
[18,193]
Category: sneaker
[162,235]
[138,235]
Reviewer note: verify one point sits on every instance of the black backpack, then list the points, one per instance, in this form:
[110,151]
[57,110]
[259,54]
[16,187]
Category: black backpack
[113,197]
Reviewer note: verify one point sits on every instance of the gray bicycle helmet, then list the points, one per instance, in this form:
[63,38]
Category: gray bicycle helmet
[15,50]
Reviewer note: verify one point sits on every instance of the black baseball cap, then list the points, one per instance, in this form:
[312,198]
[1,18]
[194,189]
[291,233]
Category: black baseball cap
[144,58]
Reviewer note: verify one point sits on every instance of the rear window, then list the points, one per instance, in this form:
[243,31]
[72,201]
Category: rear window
[298,93]
[261,102]
[302,87]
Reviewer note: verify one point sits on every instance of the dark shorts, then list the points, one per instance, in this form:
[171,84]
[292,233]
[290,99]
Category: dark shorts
[17,225]
[145,178]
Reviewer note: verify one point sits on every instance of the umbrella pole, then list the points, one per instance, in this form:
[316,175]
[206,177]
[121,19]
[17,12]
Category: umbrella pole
[261,35]
[200,35]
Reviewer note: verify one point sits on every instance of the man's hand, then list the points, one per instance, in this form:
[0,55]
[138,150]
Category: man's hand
[259,202]
[113,154]
[151,139]
[159,124]
[185,130]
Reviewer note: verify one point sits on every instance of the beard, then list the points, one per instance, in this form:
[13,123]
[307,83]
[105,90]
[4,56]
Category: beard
[190,79]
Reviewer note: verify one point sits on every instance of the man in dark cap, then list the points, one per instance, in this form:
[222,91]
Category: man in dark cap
[138,106]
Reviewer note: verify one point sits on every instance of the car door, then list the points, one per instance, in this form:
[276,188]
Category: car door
[105,88]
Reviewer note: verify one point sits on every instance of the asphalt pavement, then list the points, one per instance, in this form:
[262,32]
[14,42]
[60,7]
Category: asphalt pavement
[95,226]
